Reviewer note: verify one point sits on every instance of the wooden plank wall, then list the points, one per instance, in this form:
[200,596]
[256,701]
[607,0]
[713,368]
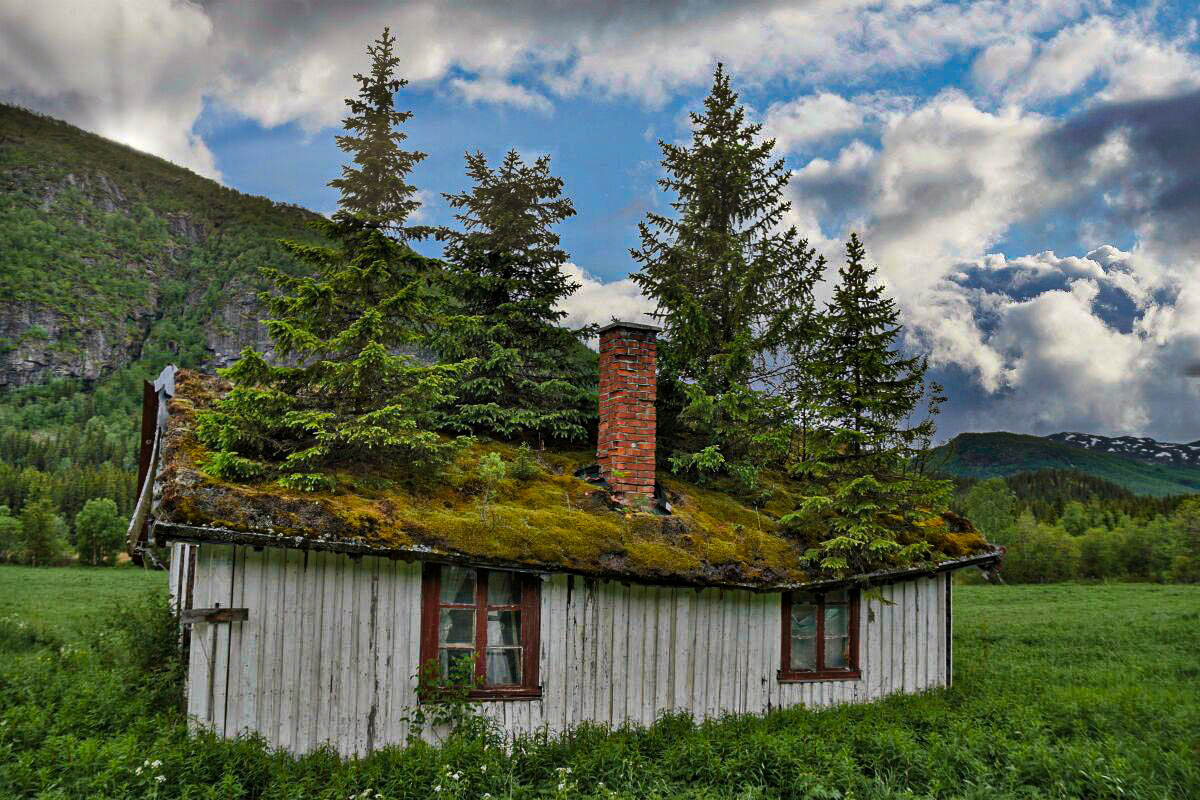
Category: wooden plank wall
[330,650]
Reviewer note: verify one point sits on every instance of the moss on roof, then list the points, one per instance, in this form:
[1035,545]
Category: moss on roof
[552,521]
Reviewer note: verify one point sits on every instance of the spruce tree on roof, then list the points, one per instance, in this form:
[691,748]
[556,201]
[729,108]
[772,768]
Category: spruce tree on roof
[358,396]
[733,290]
[864,462]
[532,379]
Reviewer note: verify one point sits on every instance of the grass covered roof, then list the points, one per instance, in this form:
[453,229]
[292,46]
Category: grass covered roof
[551,521]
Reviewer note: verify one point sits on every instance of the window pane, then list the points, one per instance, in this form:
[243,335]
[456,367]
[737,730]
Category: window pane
[504,589]
[461,659]
[840,596]
[458,585]
[457,626]
[837,652]
[504,628]
[504,666]
[804,638]
[837,620]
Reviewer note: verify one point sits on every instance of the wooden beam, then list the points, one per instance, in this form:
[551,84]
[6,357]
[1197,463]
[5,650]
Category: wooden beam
[193,615]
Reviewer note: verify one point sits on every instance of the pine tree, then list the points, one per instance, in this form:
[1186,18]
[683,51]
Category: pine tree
[864,459]
[733,290]
[505,268]
[43,532]
[357,396]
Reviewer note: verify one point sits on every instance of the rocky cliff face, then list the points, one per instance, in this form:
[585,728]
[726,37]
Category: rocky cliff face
[111,256]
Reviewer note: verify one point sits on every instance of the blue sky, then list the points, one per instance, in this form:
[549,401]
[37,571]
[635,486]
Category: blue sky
[1026,174]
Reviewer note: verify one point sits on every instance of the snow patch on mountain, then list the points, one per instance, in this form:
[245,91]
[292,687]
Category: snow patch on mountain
[1139,448]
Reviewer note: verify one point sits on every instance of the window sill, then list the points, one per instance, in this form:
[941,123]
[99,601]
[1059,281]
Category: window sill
[828,675]
[520,693]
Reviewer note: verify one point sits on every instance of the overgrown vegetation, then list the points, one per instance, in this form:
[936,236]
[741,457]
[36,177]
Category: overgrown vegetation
[1087,539]
[1064,691]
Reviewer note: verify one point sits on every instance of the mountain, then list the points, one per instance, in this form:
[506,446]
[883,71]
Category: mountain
[110,256]
[999,454]
[1136,448]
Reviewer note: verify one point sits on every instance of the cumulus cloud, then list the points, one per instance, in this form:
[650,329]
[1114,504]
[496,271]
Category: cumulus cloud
[131,70]
[161,59]
[493,90]
[598,302]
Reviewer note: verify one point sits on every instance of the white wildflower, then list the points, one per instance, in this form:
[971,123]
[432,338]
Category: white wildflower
[137,771]
[483,768]
[161,778]
[156,763]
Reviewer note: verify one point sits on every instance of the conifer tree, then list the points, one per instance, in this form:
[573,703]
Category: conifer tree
[505,267]
[357,396]
[866,391]
[732,288]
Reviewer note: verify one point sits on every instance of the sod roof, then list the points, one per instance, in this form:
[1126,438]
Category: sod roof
[553,521]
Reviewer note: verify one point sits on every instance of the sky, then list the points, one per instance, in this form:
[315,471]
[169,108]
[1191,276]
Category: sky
[1026,175]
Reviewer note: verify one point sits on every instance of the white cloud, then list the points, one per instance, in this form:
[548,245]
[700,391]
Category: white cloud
[811,118]
[130,70]
[500,92]
[598,302]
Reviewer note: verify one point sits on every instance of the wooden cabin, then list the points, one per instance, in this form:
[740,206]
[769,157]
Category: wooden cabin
[599,591]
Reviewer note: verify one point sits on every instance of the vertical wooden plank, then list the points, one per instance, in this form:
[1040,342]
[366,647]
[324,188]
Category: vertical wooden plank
[252,628]
[365,668]
[911,610]
[885,642]
[199,654]
[701,660]
[928,602]
[664,609]
[310,670]
[344,663]
[220,593]
[326,698]
[872,625]
[756,659]
[605,641]
[635,677]
[896,626]
[237,599]
[290,638]
[941,626]
[683,635]
[576,652]
[619,680]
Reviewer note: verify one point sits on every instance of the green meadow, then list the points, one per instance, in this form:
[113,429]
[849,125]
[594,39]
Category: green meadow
[1060,691]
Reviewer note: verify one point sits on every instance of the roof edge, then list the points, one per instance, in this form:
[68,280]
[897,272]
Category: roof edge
[163,532]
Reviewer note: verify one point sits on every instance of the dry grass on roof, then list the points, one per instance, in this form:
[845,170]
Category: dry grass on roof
[552,520]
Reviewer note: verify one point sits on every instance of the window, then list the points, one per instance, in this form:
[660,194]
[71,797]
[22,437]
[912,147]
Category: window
[820,636]
[488,616]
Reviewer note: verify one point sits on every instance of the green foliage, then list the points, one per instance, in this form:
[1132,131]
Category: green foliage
[733,293]
[504,267]
[863,456]
[1059,691]
[43,534]
[358,395]
[993,508]
[492,473]
[525,465]
[99,532]
[11,535]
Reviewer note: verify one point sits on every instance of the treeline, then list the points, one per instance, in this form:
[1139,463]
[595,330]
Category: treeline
[1046,493]
[1091,539]
[68,468]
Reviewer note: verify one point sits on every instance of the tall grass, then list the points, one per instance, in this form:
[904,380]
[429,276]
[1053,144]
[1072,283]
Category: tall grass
[1060,691]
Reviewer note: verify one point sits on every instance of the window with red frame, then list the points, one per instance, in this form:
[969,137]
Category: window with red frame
[487,616]
[820,636]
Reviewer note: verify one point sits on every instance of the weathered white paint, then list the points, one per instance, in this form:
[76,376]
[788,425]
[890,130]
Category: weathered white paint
[331,647]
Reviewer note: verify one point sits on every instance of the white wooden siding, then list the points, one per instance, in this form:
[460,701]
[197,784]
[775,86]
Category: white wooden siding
[331,648]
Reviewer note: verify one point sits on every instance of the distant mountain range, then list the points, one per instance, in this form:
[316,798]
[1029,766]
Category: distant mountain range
[1141,465]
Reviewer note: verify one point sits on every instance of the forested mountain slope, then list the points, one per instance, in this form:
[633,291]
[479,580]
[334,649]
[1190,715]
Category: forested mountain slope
[111,255]
[112,263]
[1000,454]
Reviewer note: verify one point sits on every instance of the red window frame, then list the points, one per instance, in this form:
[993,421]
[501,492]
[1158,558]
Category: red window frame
[848,673]
[530,608]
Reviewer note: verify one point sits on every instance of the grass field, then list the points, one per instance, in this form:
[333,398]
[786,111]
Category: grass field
[1060,691]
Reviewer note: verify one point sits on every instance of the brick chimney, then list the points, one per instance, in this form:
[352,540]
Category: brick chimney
[627,417]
